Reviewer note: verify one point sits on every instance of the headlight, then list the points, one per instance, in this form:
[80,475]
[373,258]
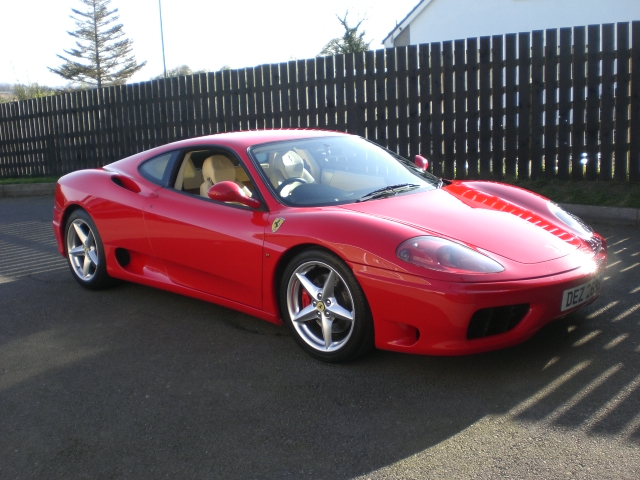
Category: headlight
[436,253]
[570,220]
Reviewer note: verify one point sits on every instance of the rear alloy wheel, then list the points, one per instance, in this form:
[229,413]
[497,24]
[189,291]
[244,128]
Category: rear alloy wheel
[325,308]
[85,253]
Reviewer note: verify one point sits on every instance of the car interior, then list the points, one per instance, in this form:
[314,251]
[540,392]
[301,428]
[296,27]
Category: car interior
[201,169]
[305,176]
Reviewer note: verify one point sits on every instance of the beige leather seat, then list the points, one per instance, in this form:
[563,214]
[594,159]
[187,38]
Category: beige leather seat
[288,165]
[188,177]
[216,169]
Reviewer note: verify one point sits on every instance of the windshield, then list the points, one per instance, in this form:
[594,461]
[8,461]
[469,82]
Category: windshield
[337,170]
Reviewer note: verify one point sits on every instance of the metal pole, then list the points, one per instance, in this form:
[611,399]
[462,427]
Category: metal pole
[164,63]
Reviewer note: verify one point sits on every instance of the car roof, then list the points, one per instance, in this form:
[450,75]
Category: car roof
[245,139]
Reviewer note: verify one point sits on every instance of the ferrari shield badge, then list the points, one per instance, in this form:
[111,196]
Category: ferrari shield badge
[276,224]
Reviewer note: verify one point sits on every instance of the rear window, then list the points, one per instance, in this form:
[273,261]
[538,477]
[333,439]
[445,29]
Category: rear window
[157,169]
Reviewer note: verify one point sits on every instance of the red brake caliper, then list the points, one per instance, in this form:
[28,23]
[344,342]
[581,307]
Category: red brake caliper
[305,299]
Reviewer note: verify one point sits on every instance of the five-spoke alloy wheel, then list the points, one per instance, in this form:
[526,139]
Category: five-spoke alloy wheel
[325,308]
[85,252]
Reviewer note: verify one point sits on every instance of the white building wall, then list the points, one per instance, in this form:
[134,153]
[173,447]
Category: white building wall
[454,19]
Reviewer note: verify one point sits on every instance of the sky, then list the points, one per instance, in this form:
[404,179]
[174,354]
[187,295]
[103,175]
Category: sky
[203,34]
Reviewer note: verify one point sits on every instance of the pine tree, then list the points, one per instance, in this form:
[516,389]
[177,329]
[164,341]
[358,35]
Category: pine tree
[103,55]
[350,42]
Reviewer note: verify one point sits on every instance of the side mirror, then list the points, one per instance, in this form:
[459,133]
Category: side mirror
[231,192]
[421,162]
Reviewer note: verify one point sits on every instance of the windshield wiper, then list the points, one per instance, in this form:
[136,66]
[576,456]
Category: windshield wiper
[388,191]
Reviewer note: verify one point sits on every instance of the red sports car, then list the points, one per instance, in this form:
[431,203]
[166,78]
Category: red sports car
[348,244]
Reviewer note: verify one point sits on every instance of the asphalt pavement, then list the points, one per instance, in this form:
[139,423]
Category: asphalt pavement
[134,382]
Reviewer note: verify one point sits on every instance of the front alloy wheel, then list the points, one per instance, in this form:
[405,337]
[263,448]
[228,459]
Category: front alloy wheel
[85,253]
[325,308]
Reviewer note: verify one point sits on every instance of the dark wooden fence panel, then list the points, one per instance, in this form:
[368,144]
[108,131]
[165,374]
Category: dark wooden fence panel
[579,103]
[606,109]
[537,102]
[437,117]
[511,105]
[460,108]
[524,105]
[360,94]
[634,144]
[485,98]
[392,115]
[622,103]
[381,131]
[564,104]
[414,100]
[402,99]
[593,102]
[473,93]
[553,104]
[448,120]
[370,82]
[497,100]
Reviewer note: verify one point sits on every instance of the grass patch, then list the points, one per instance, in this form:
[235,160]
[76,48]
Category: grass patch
[605,194]
[13,181]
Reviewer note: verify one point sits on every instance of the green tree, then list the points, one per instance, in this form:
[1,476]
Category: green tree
[22,91]
[31,90]
[351,42]
[102,56]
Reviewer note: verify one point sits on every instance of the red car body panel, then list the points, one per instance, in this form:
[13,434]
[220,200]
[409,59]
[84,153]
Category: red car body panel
[229,255]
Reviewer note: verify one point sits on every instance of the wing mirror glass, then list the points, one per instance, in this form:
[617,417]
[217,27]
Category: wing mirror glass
[421,162]
[231,192]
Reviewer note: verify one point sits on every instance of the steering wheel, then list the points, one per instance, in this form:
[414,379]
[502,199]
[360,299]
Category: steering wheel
[288,182]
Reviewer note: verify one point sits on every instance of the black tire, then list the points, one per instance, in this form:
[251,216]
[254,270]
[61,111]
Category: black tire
[334,327]
[85,252]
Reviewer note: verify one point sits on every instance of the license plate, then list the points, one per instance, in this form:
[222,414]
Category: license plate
[582,293]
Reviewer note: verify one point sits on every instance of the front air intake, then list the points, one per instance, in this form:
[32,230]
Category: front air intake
[492,321]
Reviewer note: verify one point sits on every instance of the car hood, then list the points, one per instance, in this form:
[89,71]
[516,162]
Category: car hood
[479,219]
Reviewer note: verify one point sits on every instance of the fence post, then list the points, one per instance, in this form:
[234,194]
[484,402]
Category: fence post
[593,102]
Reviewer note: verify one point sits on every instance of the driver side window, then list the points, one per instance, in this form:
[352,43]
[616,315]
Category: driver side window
[200,169]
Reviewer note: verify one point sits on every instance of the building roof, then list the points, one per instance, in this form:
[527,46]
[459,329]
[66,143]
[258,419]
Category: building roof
[408,19]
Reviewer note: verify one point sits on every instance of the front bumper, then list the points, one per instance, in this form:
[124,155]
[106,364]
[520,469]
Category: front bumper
[418,315]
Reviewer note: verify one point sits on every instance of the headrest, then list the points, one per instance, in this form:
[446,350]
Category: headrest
[218,168]
[189,169]
[290,164]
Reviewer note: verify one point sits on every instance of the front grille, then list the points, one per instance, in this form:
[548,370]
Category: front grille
[495,320]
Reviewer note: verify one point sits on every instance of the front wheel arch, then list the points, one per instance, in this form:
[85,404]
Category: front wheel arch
[287,256]
[63,223]
[347,332]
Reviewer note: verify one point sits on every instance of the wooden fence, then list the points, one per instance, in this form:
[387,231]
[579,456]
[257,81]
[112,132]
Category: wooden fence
[557,104]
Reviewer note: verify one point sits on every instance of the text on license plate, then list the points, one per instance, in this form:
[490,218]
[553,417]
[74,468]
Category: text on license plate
[580,294]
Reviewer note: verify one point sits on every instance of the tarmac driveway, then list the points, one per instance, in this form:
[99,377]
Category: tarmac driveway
[134,382]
